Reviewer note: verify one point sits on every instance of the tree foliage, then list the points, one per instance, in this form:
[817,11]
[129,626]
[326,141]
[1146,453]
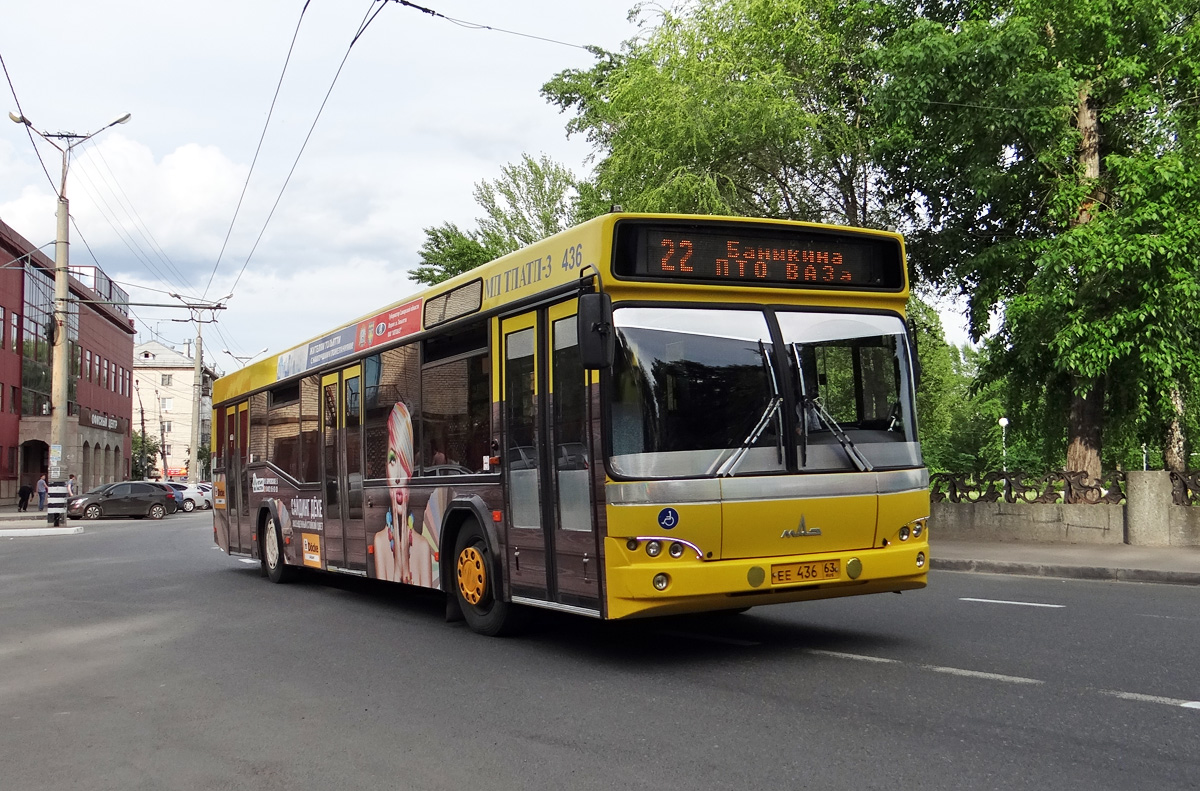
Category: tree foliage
[740,107]
[531,200]
[1046,155]
[144,449]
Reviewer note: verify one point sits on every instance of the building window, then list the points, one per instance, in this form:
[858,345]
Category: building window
[2,326]
[96,369]
[87,366]
[14,323]
[12,458]
[165,404]
[166,380]
[14,400]
[166,427]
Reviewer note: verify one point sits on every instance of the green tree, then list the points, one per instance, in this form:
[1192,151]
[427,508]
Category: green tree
[531,200]
[741,107]
[143,448]
[1046,154]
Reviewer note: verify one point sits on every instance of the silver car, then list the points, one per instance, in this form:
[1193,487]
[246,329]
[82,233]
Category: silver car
[192,496]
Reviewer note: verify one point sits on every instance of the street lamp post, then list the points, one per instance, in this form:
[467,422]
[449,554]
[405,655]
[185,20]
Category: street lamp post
[60,372]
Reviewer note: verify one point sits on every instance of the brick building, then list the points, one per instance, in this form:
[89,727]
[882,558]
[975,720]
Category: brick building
[96,448]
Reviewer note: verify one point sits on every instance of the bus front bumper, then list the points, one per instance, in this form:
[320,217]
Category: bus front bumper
[693,585]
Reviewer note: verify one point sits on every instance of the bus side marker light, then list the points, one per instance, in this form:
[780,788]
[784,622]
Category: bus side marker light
[853,568]
[287,540]
[653,548]
[920,560]
[661,581]
[497,516]
[370,549]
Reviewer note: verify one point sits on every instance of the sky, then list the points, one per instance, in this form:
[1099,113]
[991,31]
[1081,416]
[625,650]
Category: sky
[423,109]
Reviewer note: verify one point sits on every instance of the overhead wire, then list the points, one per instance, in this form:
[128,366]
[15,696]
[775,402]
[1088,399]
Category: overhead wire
[479,26]
[131,211]
[368,18]
[258,149]
[28,131]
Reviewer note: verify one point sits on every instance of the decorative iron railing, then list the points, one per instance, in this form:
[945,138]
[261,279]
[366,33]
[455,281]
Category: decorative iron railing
[1065,486]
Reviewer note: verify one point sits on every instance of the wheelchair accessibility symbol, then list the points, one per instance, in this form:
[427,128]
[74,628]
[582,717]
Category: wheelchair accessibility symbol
[668,518]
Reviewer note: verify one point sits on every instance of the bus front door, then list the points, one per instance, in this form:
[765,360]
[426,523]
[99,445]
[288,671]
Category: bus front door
[552,544]
[345,543]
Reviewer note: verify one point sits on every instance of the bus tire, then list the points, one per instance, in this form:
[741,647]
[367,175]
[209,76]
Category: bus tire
[476,585]
[272,552]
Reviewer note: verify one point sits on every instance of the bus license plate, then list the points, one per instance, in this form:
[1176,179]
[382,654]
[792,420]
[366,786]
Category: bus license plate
[790,573]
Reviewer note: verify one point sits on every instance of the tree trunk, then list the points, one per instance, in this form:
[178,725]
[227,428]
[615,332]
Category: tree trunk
[1173,455]
[1085,428]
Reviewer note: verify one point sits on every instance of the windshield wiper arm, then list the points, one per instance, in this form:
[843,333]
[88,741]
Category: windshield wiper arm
[731,464]
[847,444]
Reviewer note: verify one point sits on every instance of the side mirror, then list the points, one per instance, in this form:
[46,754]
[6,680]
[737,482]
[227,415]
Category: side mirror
[597,341]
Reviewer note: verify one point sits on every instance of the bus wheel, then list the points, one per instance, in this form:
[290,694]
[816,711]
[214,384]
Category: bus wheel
[272,553]
[476,585]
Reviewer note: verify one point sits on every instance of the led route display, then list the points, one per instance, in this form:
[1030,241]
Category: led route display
[761,257]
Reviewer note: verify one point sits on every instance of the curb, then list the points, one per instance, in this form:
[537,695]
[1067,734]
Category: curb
[21,532]
[1067,572]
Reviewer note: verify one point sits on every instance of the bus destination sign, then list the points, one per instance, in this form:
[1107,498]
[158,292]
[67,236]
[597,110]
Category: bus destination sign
[764,257]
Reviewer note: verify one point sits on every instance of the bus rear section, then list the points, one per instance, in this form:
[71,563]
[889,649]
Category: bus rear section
[760,455]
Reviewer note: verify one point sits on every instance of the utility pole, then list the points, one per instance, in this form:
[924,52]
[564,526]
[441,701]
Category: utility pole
[142,407]
[60,461]
[162,435]
[197,392]
[197,308]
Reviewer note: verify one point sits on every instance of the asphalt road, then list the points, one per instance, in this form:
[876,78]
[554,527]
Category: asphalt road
[138,656]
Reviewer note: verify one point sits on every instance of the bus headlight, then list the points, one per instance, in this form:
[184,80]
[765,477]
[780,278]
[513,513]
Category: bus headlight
[661,581]
[920,560]
[653,548]
[676,550]
[904,533]
[918,528]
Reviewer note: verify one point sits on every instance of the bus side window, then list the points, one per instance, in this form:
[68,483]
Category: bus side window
[389,378]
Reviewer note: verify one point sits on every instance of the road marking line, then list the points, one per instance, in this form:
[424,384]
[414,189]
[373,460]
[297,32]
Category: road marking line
[1021,603]
[859,657]
[957,671]
[248,560]
[1187,704]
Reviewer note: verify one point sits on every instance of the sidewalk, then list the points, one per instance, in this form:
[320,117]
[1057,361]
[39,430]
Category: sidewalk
[15,524]
[1176,565]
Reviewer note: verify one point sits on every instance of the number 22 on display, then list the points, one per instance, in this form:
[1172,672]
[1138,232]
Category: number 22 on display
[669,250]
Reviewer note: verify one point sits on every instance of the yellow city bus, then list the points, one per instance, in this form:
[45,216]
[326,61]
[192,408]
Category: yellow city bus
[642,415]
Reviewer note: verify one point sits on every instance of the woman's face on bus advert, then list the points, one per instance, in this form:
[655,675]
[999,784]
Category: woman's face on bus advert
[399,466]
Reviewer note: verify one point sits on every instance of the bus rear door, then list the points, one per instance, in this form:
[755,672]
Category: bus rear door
[345,543]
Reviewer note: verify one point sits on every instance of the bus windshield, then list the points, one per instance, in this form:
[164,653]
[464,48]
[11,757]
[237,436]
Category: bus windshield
[700,393]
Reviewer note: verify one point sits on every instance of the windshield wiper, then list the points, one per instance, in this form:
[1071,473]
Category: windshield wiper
[730,465]
[808,402]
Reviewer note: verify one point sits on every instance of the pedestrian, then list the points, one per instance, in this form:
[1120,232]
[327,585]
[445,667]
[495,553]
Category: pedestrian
[41,492]
[72,486]
[23,495]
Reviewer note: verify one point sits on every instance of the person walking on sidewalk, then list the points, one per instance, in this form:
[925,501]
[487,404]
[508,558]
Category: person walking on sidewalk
[72,486]
[41,492]
[23,495]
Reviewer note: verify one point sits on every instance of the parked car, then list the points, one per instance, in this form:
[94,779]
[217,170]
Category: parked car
[191,496]
[172,498]
[126,498]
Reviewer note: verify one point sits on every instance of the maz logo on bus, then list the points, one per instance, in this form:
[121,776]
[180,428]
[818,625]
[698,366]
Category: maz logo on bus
[801,531]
